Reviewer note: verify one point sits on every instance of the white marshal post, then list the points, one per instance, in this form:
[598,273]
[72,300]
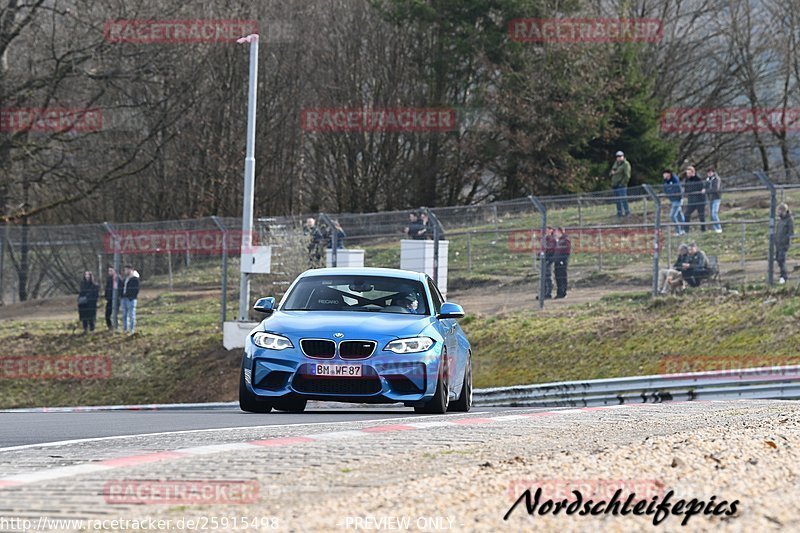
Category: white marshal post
[249,176]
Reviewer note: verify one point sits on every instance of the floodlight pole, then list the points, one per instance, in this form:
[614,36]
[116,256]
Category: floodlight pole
[249,176]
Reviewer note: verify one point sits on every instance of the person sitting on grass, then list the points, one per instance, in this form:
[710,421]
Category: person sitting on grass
[670,278]
[697,269]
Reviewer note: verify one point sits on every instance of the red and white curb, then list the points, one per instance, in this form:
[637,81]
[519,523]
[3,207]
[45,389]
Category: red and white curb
[50,474]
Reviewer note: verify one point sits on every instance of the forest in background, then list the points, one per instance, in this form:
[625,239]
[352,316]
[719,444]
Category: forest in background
[532,118]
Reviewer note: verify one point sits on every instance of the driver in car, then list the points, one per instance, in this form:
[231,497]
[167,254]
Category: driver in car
[410,303]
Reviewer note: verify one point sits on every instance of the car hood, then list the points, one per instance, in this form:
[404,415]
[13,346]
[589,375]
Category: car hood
[352,324]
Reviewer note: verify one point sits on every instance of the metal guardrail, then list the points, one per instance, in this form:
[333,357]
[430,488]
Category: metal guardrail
[776,382]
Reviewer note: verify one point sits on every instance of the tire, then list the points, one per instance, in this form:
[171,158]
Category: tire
[247,400]
[290,405]
[441,397]
[464,402]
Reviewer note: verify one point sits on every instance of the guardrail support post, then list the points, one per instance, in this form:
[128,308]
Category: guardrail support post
[657,234]
[543,217]
[772,206]
[224,297]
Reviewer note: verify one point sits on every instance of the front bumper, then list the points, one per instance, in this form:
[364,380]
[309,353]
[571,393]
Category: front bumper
[386,377]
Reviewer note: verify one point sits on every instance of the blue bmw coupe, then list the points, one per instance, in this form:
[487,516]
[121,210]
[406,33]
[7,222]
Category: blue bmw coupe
[366,335]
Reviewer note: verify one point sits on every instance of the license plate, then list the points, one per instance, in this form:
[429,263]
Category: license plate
[336,370]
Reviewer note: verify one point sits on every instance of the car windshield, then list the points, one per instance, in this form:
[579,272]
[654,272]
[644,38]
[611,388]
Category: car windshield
[375,294]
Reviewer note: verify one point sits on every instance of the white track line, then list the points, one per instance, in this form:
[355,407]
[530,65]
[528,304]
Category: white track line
[393,424]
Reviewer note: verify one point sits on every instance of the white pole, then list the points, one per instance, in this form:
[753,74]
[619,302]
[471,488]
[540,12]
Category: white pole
[249,176]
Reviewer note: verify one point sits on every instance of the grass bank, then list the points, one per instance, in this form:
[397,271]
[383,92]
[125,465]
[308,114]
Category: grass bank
[177,355]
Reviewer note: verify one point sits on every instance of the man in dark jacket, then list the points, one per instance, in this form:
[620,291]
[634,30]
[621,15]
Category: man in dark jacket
[670,278]
[620,176]
[112,282]
[697,269]
[87,302]
[549,251]
[674,193]
[696,198]
[561,260]
[714,192]
[129,292]
[784,230]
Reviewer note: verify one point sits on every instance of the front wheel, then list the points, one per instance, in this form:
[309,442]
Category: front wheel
[464,402]
[290,405]
[441,397]
[247,400]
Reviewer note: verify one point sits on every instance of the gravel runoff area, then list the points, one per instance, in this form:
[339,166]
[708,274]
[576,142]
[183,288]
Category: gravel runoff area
[466,477]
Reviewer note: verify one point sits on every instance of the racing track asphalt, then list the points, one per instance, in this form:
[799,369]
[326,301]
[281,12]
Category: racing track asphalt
[25,428]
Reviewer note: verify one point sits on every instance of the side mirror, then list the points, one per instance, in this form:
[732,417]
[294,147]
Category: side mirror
[451,310]
[265,305]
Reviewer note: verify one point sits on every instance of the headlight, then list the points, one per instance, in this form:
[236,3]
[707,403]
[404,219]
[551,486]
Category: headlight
[413,345]
[271,341]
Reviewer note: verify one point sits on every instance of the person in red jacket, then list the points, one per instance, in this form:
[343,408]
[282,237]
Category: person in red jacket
[561,260]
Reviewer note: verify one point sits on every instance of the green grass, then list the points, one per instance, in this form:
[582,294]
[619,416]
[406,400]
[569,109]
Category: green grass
[635,335]
[177,354]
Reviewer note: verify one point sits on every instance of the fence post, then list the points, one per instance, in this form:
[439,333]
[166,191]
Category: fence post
[656,236]
[543,217]
[437,235]
[744,236]
[772,205]
[496,223]
[6,233]
[224,298]
[334,236]
[469,252]
[115,293]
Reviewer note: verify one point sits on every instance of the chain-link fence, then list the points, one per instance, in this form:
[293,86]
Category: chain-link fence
[619,241]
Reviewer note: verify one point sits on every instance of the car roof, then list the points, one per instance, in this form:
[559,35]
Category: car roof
[365,271]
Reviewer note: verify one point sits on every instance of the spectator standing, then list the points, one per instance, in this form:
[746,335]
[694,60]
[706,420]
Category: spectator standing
[87,302]
[129,293]
[668,275]
[561,260]
[695,198]
[549,261]
[414,225]
[674,192]
[314,235]
[620,177]
[784,230]
[426,231]
[112,282]
[340,236]
[714,193]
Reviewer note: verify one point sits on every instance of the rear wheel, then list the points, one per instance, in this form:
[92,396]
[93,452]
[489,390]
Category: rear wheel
[464,402]
[247,400]
[291,405]
[441,397]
